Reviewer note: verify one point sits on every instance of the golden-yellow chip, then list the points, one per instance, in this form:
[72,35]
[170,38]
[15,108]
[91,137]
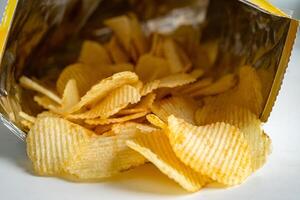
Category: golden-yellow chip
[217,150]
[70,96]
[242,118]
[155,147]
[85,76]
[112,104]
[104,87]
[122,29]
[116,119]
[52,141]
[172,55]
[150,68]
[102,157]
[131,128]
[222,85]
[32,85]
[176,80]
[180,107]
[246,94]
[94,54]
[117,54]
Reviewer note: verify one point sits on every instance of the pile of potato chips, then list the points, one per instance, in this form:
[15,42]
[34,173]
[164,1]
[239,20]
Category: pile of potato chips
[139,99]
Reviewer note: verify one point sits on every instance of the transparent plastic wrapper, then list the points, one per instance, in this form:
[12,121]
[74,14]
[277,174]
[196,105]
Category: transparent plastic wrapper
[39,38]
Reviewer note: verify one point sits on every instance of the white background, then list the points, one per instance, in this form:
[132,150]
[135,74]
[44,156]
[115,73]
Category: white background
[279,179]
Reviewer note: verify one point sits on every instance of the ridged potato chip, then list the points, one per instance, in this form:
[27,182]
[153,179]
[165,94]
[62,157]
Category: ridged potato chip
[70,96]
[104,87]
[247,122]
[194,87]
[142,106]
[150,68]
[46,103]
[122,29]
[181,107]
[155,147]
[103,157]
[157,45]
[150,87]
[132,128]
[156,121]
[217,150]
[173,57]
[116,52]
[32,85]
[206,54]
[52,141]
[85,76]
[224,84]
[112,104]
[94,54]
[116,119]
[176,80]
[246,94]
[138,37]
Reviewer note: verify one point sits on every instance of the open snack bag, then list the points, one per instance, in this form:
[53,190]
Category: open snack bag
[96,88]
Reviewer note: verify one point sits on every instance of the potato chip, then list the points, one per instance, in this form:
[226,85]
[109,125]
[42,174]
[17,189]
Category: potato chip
[172,55]
[217,150]
[194,87]
[206,54]
[99,121]
[121,26]
[46,103]
[103,157]
[267,149]
[220,86]
[27,117]
[246,94]
[142,106]
[150,68]
[112,104]
[132,128]
[138,37]
[32,85]
[104,87]
[181,107]
[176,80]
[85,76]
[52,141]
[48,114]
[247,122]
[185,60]
[156,121]
[117,54]
[156,148]
[138,85]
[157,45]
[150,87]
[188,36]
[70,96]
[93,54]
